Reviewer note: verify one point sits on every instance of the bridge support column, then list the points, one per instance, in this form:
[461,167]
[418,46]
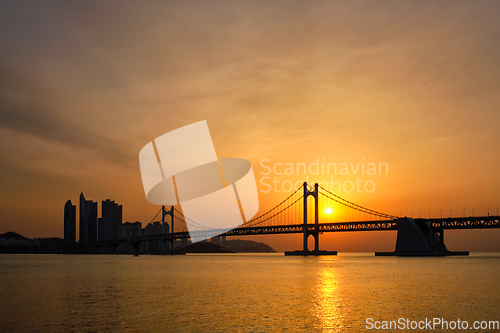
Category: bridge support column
[309,230]
[431,237]
[136,248]
[441,236]
[316,242]
[305,230]
[166,230]
[419,238]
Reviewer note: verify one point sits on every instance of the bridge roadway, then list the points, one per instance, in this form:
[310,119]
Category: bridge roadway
[470,222]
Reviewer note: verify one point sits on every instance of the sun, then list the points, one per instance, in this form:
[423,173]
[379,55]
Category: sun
[328,211]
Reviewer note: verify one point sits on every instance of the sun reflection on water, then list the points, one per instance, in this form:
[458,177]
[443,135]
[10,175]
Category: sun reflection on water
[326,302]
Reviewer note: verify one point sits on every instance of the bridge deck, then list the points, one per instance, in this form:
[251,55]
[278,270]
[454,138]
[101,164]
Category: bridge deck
[479,222]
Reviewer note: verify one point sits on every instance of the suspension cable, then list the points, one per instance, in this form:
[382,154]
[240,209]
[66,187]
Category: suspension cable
[352,205]
[193,223]
[258,217]
[270,217]
[155,216]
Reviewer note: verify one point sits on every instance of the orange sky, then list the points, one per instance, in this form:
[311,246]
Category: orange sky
[414,84]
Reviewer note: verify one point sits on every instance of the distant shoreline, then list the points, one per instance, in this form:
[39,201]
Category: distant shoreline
[12,242]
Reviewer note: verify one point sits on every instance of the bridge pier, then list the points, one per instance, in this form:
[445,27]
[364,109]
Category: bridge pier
[310,230]
[419,238]
[136,247]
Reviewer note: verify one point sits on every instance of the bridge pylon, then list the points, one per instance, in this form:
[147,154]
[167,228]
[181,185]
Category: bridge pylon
[310,229]
[164,233]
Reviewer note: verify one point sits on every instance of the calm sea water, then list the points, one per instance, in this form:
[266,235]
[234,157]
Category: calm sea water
[231,293]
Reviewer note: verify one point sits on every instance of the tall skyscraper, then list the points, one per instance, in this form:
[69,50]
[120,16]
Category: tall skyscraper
[69,223]
[110,221]
[88,220]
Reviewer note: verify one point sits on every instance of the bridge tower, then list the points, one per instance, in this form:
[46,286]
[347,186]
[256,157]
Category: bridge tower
[305,230]
[164,226]
[309,230]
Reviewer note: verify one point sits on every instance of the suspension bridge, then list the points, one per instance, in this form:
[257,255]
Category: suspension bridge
[300,213]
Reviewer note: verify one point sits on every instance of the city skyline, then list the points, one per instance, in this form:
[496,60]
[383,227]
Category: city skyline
[108,227]
[412,85]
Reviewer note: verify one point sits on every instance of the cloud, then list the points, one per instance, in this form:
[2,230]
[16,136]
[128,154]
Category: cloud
[26,108]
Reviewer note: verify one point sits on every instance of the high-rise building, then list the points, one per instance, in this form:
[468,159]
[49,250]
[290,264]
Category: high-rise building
[129,229]
[69,223]
[106,227]
[152,229]
[110,221]
[136,229]
[88,220]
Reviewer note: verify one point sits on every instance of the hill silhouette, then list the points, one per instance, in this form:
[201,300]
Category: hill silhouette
[245,246]
[230,246]
[202,247]
[12,235]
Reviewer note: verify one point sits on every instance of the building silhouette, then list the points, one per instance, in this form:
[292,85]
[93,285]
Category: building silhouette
[129,229]
[150,230]
[69,224]
[110,221]
[88,220]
